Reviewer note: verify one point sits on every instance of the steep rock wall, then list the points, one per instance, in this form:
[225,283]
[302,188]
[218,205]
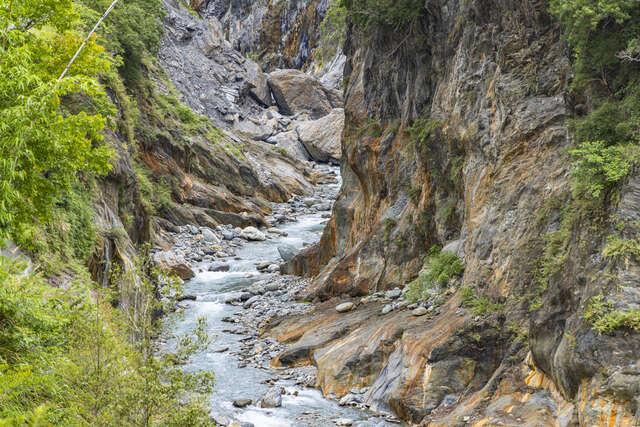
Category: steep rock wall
[281,33]
[489,80]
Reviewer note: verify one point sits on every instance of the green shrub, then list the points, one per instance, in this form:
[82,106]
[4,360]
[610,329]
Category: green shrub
[605,318]
[618,248]
[481,306]
[132,31]
[68,358]
[414,192]
[597,168]
[389,225]
[446,211]
[155,191]
[439,268]
[423,131]
[333,31]
[396,14]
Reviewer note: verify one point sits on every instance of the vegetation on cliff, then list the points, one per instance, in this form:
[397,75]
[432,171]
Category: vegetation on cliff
[67,356]
[603,41]
[392,13]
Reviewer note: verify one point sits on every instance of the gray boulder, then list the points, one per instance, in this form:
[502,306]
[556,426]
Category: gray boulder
[219,266]
[252,233]
[322,137]
[241,403]
[297,92]
[272,399]
[287,252]
[248,303]
[258,83]
[209,236]
[289,142]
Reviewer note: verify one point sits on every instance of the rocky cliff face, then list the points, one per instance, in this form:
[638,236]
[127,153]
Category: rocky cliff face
[484,171]
[281,33]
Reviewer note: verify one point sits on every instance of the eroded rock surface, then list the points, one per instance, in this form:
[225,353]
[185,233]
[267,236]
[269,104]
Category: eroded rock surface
[297,92]
[487,83]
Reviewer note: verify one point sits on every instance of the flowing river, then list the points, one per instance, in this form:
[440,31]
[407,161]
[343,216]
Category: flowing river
[235,379]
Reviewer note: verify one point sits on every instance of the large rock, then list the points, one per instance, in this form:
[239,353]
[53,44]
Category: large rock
[272,399]
[209,236]
[258,83]
[322,137]
[296,92]
[289,142]
[173,264]
[252,233]
[256,129]
[287,252]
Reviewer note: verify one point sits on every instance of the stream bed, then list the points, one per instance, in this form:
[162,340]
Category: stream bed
[240,358]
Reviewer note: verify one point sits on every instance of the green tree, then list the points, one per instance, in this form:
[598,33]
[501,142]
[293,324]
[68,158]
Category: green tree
[130,31]
[395,14]
[42,145]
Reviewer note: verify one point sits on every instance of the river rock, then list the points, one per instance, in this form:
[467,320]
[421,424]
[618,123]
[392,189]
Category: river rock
[248,303]
[219,266]
[322,207]
[394,293]
[343,422]
[263,265]
[252,233]
[273,268]
[322,138]
[350,399]
[278,231]
[344,307]
[387,309]
[272,287]
[272,399]
[221,420]
[297,92]
[209,236]
[287,252]
[173,264]
[420,311]
[254,129]
[227,234]
[289,142]
[310,201]
[242,403]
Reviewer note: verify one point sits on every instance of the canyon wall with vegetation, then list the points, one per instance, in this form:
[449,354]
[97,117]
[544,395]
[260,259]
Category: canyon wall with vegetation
[477,127]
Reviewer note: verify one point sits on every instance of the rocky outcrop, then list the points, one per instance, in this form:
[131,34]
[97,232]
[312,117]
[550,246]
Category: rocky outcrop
[297,92]
[458,132]
[281,34]
[214,78]
[322,137]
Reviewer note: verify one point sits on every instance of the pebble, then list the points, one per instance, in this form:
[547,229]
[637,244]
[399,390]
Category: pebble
[254,299]
[242,403]
[387,309]
[343,422]
[394,293]
[344,307]
[420,311]
[219,266]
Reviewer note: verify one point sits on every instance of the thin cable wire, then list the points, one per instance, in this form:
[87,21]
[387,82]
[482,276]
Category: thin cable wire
[87,39]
